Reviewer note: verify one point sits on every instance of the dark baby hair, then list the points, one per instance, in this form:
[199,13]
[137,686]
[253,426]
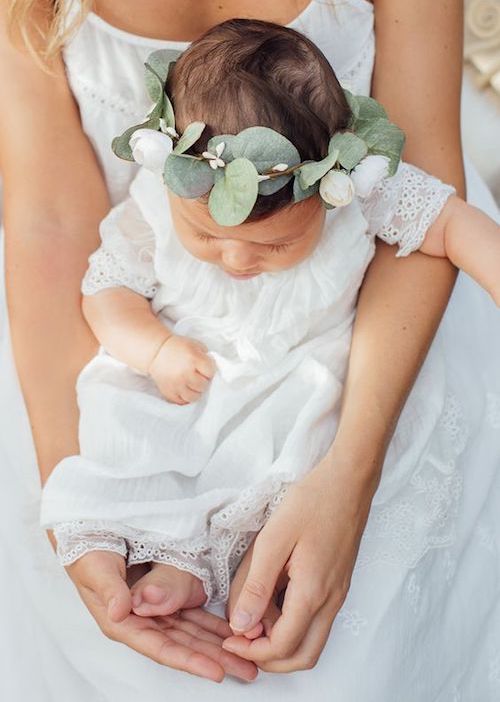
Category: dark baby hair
[245,73]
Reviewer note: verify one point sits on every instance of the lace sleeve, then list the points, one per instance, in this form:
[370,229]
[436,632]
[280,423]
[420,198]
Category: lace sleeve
[401,209]
[126,255]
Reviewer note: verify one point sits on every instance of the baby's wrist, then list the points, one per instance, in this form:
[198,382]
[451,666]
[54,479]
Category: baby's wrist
[156,349]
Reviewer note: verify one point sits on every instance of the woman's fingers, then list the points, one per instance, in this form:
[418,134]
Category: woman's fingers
[103,573]
[229,662]
[307,654]
[207,620]
[270,553]
[163,648]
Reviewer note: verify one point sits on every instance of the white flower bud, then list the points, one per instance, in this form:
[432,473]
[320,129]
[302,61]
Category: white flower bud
[336,188]
[280,167]
[150,148]
[368,173]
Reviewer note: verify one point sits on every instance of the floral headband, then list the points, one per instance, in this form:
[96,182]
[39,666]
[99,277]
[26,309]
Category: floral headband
[236,168]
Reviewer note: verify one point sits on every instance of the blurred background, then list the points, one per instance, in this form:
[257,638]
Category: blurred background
[481,89]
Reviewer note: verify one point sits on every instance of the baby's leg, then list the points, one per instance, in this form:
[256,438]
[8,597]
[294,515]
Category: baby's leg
[165,589]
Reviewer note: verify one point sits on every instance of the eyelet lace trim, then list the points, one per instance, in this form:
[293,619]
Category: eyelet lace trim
[415,200]
[212,557]
[400,531]
[108,270]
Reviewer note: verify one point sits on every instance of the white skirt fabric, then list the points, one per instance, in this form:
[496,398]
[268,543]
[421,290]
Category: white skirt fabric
[422,618]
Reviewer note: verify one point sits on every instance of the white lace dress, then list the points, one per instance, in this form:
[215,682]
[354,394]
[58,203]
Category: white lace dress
[188,485]
[421,621]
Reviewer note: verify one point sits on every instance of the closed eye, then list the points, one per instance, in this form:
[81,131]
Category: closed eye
[278,248]
[204,237]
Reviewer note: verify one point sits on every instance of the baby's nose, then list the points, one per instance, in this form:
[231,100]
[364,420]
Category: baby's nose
[239,258]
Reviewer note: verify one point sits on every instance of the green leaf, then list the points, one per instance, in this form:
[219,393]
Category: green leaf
[351,149]
[364,107]
[268,187]
[232,198]
[384,138]
[265,148]
[168,112]
[190,135]
[300,193]
[353,104]
[370,108]
[311,172]
[158,65]
[187,176]
[154,83]
[120,144]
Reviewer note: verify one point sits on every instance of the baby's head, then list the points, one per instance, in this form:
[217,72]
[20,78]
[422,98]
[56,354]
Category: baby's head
[254,138]
[246,73]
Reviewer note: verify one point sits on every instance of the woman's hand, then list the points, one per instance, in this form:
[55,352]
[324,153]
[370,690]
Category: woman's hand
[313,538]
[191,641]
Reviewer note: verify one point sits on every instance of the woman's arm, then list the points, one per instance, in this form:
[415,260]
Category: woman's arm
[417,79]
[54,198]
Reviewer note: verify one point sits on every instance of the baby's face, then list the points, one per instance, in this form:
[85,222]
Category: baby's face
[277,242]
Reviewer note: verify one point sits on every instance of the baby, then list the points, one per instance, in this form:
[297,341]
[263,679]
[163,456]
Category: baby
[224,303]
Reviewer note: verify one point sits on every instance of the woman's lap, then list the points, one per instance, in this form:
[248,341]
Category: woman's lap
[412,632]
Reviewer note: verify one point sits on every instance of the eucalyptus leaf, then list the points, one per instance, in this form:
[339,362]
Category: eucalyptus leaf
[353,105]
[168,112]
[187,176]
[232,198]
[265,148]
[271,186]
[190,135]
[384,138]
[154,83]
[163,60]
[299,193]
[311,172]
[351,149]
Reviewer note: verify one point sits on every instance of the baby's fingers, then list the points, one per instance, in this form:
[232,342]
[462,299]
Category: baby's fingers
[205,365]
[197,382]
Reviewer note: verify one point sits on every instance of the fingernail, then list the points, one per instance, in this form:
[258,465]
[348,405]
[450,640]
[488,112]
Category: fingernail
[240,620]
[111,603]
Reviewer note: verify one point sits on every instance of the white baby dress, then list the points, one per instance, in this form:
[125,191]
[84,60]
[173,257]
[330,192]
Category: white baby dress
[191,485]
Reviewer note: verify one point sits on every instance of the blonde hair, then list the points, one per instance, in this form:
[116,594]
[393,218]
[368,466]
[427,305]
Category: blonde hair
[43,26]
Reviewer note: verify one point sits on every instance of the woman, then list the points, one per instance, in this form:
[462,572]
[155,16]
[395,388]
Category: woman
[61,224]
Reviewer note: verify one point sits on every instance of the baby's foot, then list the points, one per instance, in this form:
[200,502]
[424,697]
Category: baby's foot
[164,590]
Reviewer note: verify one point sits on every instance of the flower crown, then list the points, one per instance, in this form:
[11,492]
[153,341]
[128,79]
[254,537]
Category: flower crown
[236,168]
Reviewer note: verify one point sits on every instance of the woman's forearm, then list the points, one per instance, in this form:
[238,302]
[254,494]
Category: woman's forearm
[417,78]
[54,199]
[400,306]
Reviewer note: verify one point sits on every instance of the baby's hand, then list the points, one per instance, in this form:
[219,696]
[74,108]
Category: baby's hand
[182,369]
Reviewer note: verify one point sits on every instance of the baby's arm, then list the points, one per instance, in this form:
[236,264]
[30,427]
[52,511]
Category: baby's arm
[117,291]
[417,211]
[471,240]
[125,325]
